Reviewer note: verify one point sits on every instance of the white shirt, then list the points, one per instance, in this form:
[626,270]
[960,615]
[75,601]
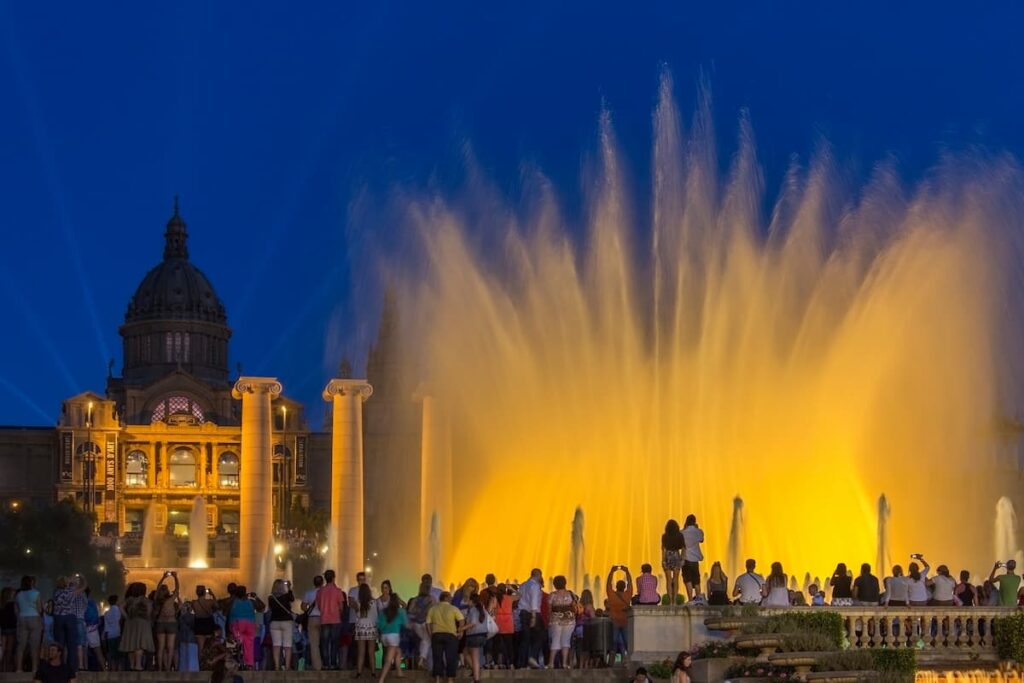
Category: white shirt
[529,596]
[918,590]
[310,599]
[353,597]
[944,586]
[693,536]
[749,585]
[896,588]
[112,622]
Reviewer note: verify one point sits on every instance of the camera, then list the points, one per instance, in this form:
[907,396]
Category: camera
[167,573]
[252,596]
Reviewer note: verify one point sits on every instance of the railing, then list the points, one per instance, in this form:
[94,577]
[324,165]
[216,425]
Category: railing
[967,630]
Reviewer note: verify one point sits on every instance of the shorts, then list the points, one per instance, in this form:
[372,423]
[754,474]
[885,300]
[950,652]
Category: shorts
[391,639]
[114,646]
[671,560]
[81,632]
[475,641]
[365,631]
[561,635]
[691,573]
[92,636]
[167,628]
[281,633]
[204,626]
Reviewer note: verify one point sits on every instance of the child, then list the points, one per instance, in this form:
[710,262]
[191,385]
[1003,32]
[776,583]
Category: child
[817,596]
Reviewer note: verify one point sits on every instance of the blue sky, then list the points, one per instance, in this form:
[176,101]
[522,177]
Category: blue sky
[271,119]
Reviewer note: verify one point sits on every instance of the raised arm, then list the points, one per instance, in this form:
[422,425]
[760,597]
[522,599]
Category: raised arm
[992,574]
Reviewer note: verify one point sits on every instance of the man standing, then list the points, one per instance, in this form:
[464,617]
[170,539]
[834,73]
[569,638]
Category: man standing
[312,612]
[530,603]
[435,592]
[444,622]
[748,586]
[53,669]
[329,601]
[619,600]
[1009,583]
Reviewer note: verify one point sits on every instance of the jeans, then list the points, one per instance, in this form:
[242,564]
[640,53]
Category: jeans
[65,633]
[313,631]
[329,635]
[446,654]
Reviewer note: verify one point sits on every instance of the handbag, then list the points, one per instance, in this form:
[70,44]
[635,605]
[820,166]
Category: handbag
[492,626]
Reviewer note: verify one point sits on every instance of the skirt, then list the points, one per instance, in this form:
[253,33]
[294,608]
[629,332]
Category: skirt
[842,602]
[137,635]
[671,560]
[366,630]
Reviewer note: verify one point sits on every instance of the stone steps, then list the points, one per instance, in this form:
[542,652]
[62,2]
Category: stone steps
[617,673]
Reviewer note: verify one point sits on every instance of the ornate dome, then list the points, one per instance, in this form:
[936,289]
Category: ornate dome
[175,289]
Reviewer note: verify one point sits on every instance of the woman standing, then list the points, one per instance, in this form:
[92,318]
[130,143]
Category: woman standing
[282,623]
[586,613]
[166,608]
[203,608]
[242,624]
[842,587]
[562,623]
[718,585]
[776,588]
[30,622]
[366,630]
[475,628]
[389,623]
[137,636]
[503,642]
[672,545]
[417,615]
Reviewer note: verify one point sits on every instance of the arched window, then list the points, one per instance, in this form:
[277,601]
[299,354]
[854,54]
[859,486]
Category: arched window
[227,470]
[136,469]
[178,409]
[181,467]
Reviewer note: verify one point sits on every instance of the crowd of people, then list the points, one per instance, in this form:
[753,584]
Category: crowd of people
[477,625]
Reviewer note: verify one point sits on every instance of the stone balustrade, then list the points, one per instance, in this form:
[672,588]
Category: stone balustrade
[658,633]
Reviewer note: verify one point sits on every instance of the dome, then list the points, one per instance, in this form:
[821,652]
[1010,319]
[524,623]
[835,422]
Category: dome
[175,289]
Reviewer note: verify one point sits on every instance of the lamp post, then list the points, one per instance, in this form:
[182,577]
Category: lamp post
[286,469]
[88,464]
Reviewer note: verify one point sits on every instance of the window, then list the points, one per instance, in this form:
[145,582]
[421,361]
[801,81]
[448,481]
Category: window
[181,468]
[136,469]
[168,347]
[133,520]
[229,521]
[180,408]
[227,471]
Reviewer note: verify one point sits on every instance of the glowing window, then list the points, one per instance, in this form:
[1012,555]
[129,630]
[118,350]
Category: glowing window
[181,468]
[227,470]
[136,469]
[181,406]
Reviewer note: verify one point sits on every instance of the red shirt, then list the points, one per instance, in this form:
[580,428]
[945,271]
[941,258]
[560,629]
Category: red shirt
[328,600]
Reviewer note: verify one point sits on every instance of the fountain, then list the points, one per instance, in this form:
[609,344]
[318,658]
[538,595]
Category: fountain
[827,349]
[197,539]
[576,553]
[434,546]
[1006,546]
[882,555]
[734,559]
[151,544]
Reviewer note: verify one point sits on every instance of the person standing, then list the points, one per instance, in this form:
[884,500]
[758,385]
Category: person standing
[419,607]
[619,600]
[390,622]
[1008,583]
[137,636]
[329,599]
[242,623]
[504,642]
[112,620]
[672,545]
[282,623]
[204,611]
[530,602]
[65,621]
[92,630]
[444,622]
[166,605]
[563,621]
[693,535]
[29,607]
[312,613]
[366,629]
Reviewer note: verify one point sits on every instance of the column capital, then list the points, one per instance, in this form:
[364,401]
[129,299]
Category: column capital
[347,387]
[423,391]
[256,385]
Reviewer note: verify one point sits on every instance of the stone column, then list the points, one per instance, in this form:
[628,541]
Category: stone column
[255,542]
[345,547]
[436,507]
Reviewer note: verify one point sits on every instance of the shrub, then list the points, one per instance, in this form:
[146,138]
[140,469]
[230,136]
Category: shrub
[1009,634]
[760,670]
[901,662]
[893,664]
[661,670]
[846,660]
[806,641]
[714,649]
[750,611]
[825,623]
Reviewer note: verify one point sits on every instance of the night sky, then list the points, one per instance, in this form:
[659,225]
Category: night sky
[278,124]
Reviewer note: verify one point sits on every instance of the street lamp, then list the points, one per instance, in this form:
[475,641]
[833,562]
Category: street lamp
[90,460]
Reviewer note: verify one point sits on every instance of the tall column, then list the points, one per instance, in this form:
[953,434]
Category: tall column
[436,506]
[345,547]
[255,486]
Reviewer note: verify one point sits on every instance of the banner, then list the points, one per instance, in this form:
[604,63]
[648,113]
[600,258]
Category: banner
[109,506]
[67,446]
[300,460]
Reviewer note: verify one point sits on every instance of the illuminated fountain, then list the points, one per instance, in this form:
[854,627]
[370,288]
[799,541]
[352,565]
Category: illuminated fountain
[734,559]
[197,540]
[882,557]
[850,342]
[1007,546]
[576,552]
